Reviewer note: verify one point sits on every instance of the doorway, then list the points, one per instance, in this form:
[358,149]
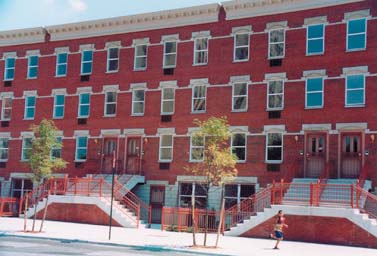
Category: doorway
[109,147]
[351,157]
[157,201]
[133,155]
[315,155]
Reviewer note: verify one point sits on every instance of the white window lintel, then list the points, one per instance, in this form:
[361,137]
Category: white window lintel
[315,20]
[276,25]
[33,53]
[169,38]
[6,95]
[314,73]
[201,81]
[351,126]
[110,132]
[87,89]
[110,88]
[30,93]
[275,76]
[240,79]
[113,44]
[138,86]
[141,41]
[168,84]
[239,129]
[62,50]
[316,127]
[9,55]
[355,70]
[274,128]
[79,133]
[86,47]
[166,131]
[58,91]
[137,131]
[27,134]
[4,134]
[356,14]
[242,30]
[201,34]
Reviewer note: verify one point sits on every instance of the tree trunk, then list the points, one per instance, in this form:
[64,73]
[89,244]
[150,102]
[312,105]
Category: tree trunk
[206,218]
[45,212]
[222,213]
[193,220]
[35,211]
[25,210]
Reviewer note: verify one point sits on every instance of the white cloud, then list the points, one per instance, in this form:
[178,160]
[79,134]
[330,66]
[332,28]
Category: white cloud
[78,5]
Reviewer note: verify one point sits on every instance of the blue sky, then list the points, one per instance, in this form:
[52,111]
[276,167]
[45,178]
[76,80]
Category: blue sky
[15,14]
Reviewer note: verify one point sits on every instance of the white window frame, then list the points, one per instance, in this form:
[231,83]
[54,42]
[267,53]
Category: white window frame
[240,96]
[137,101]
[238,197]
[109,59]
[365,34]
[167,101]
[234,147]
[3,108]
[267,147]
[29,66]
[77,148]
[312,92]
[141,56]
[273,43]
[161,147]
[241,46]
[199,98]
[205,51]
[315,38]
[193,192]
[23,149]
[274,94]
[56,105]
[83,104]
[196,147]
[84,62]
[171,53]
[29,107]
[6,149]
[357,89]
[6,69]
[61,64]
[110,103]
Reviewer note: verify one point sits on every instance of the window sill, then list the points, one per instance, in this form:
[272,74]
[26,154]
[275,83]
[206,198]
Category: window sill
[169,67]
[199,64]
[6,80]
[195,161]
[198,112]
[315,54]
[80,161]
[167,114]
[109,116]
[165,161]
[356,50]
[25,161]
[81,117]
[239,110]
[241,162]
[31,78]
[273,162]
[240,61]
[85,74]
[28,119]
[111,72]
[310,108]
[355,106]
[274,109]
[136,115]
[58,117]
[3,160]
[60,76]
[139,69]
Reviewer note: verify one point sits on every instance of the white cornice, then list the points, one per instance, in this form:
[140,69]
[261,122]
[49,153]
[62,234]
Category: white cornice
[140,22]
[22,36]
[239,9]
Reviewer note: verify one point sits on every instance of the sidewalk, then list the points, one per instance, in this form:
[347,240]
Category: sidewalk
[174,241]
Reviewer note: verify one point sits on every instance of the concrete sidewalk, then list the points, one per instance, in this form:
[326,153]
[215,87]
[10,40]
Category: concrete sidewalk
[175,241]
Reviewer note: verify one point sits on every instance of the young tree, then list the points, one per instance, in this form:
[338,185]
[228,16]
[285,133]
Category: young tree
[218,163]
[41,161]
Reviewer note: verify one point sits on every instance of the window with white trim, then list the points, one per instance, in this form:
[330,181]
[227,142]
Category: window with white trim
[61,64]
[10,65]
[138,100]
[141,53]
[29,107]
[86,62]
[314,92]
[196,148]
[199,98]
[274,147]
[356,34]
[166,148]
[276,47]
[315,35]
[241,47]
[32,70]
[81,148]
[189,190]
[238,146]
[201,51]
[167,101]
[235,193]
[59,101]
[110,103]
[27,143]
[355,90]
[239,97]
[112,59]
[4,149]
[6,108]
[56,150]
[170,54]
[275,95]
[84,105]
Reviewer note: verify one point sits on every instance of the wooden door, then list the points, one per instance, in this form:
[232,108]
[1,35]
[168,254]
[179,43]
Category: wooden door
[133,155]
[109,147]
[351,156]
[157,201]
[315,155]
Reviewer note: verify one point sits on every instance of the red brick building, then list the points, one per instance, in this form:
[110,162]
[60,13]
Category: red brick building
[295,79]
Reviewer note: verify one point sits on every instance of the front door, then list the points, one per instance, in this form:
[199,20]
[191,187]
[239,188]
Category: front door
[157,201]
[315,155]
[351,156]
[110,146]
[133,155]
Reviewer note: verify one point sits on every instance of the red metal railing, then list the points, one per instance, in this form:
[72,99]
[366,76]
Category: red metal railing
[8,206]
[366,202]
[364,174]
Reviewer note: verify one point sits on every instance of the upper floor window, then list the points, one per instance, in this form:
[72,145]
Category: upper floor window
[199,98]
[238,146]
[201,51]
[315,39]
[166,148]
[356,34]
[86,62]
[56,151]
[140,62]
[4,149]
[32,70]
[59,100]
[355,90]
[110,103]
[138,101]
[241,47]
[275,95]
[84,105]
[61,63]
[167,100]
[112,59]
[276,49]
[81,148]
[29,107]
[10,64]
[196,148]
[6,108]
[239,96]
[170,54]
[314,92]
[274,148]
[27,143]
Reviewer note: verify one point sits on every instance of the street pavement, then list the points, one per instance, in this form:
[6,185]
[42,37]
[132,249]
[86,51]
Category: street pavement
[153,241]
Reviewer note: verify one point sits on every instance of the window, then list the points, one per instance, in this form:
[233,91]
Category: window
[276,49]
[84,105]
[61,64]
[112,59]
[110,103]
[59,100]
[188,190]
[274,148]
[241,47]
[201,51]
[10,64]
[239,146]
[356,34]
[166,148]
[315,39]
[199,98]
[32,70]
[4,148]
[81,148]
[138,97]
[239,97]
[314,92]
[355,90]
[56,151]
[235,193]
[29,107]
[167,101]
[275,95]
[196,148]
[86,62]
[27,143]
[170,54]
[6,108]
[140,57]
